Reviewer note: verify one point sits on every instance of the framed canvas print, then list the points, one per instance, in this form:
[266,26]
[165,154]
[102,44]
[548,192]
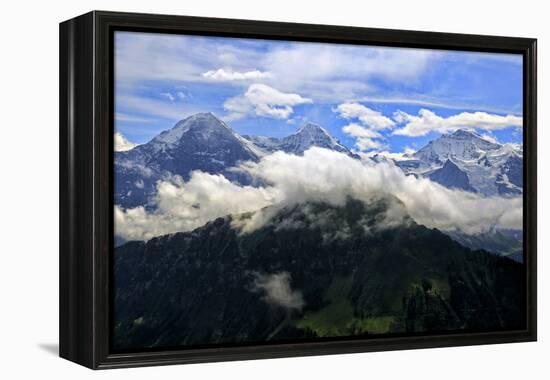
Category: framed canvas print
[239,189]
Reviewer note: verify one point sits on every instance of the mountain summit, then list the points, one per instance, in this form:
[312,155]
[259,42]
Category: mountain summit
[309,135]
[206,122]
[198,142]
[460,145]
[476,164]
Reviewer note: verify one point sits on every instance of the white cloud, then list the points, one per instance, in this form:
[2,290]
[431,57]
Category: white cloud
[122,144]
[364,137]
[427,121]
[263,100]
[370,118]
[323,175]
[356,130]
[230,75]
[318,175]
[184,206]
[364,144]
[371,122]
[277,290]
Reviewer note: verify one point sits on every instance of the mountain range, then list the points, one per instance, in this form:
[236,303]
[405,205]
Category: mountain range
[307,136]
[316,271]
[203,142]
[461,160]
[467,161]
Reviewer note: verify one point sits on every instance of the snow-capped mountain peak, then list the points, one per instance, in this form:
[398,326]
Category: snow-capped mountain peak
[459,145]
[312,129]
[206,122]
[305,137]
[199,142]
[491,168]
[310,135]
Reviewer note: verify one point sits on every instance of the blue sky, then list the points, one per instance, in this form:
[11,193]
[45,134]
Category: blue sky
[370,98]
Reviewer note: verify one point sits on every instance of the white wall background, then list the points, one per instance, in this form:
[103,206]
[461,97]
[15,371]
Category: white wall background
[29,187]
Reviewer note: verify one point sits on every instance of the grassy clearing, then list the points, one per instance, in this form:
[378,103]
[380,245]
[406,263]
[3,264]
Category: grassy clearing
[337,319]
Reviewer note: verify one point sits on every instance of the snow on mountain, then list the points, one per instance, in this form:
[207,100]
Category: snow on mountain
[463,159]
[311,135]
[307,136]
[491,168]
[199,142]
[462,145]
[202,142]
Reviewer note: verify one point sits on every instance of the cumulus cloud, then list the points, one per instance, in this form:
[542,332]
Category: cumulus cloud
[277,290]
[122,144]
[373,119]
[364,137]
[230,75]
[427,121]
[365,144]
[371,122]
[320,175]
[358,131]
[263,100]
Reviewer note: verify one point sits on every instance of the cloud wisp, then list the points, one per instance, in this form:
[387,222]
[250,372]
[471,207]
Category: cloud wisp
[231,75]
[319,175]
[277,290]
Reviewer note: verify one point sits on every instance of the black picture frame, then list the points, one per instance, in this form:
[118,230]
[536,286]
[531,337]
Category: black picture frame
[86,161]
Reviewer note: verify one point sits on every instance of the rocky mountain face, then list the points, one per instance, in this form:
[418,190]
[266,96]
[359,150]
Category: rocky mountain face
[449,175]
[316,270]
[199,142]
[307,136]
[467,161]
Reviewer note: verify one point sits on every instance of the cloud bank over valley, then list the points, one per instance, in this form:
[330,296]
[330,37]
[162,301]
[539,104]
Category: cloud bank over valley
[320,175]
